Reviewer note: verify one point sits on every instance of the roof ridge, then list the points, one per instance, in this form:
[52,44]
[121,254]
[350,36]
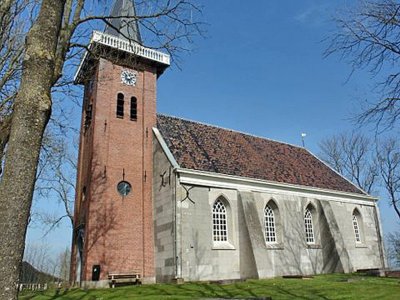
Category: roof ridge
[232,130]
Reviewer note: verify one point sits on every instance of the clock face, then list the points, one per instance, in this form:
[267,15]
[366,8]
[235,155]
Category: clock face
[128,77]
[124,188]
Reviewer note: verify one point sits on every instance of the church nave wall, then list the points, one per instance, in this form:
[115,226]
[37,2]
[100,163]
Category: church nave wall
[247,254]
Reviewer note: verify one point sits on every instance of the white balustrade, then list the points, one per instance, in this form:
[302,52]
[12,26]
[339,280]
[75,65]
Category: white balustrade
[131,47]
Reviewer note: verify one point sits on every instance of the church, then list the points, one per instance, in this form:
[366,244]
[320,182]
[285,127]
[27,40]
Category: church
[169,200]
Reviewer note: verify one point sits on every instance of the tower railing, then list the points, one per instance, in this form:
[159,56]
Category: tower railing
[102,38]
[130,46]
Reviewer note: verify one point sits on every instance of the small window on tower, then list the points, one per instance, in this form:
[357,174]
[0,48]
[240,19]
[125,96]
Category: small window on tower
[88,115]
[84,193]
[90,86]
[133,109]
[120,105]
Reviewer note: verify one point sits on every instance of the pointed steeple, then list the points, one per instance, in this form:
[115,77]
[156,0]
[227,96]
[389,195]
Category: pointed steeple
[127,28]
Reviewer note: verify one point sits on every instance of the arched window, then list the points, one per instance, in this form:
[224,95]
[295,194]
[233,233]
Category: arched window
[356,218]
[308,223]
[219,217]
[269,225]
[120,105]
[133,108]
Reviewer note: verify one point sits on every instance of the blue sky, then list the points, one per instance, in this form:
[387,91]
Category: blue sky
[261,70]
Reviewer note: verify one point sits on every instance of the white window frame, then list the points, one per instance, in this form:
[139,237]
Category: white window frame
[269,225]
[309,226]
[356,228]
[219,222]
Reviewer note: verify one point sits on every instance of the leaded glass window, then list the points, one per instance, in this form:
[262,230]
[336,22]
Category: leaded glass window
[356,229]
[269,225]
[308,222]
[220,229]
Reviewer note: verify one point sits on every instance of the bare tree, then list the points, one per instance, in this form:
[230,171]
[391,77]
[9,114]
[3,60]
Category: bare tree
[57,30]
[351,155]
[56,178]
[368,37]
[393,247]
[64,261]
[46,267]
[12,31]
[388,157]
[366,163]
[38,256]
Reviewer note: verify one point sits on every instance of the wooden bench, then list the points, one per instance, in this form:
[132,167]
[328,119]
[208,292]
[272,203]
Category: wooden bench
[124,277]
[372,272]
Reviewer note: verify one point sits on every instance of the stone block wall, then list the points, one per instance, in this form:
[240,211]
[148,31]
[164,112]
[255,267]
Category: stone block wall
[164,215]
[247,255]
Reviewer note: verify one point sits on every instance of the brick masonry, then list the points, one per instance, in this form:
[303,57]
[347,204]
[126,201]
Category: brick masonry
[118,230]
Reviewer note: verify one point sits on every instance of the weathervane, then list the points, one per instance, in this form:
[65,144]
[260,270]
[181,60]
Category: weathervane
[303,135]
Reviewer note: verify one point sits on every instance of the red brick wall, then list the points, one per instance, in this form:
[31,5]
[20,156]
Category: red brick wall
[118,230]
[83,174]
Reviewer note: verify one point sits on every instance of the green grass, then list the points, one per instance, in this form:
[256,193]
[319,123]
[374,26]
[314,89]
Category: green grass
[334,286]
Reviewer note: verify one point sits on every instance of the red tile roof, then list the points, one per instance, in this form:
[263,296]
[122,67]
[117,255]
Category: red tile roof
[207,148]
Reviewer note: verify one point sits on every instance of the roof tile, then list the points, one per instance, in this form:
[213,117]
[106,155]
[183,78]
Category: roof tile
[203,147]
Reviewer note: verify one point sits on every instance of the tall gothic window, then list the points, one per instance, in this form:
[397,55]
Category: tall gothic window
[120,105]
[219,217]
[133,108]
[308,223]
[269,225]
[356,226]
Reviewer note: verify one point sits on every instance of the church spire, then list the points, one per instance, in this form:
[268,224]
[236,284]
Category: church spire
[126,28]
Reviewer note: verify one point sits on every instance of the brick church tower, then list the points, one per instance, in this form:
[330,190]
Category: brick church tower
[113,221]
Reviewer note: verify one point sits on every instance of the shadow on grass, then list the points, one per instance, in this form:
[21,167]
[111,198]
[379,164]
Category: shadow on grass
[298,296]
[323,287]
[59,294]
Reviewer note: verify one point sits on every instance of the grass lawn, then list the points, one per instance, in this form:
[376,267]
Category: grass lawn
[334,286]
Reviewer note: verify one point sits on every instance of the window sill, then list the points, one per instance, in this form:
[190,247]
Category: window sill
[274,246]
[361,245]
[314,246]
[223,246]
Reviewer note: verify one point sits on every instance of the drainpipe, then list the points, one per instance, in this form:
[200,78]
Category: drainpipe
[177,256]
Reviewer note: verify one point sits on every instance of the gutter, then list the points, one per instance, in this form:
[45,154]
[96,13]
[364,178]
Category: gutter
[236,182]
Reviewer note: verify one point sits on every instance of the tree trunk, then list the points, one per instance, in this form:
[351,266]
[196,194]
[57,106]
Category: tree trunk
[5,127]
[32,110]
[5,6]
